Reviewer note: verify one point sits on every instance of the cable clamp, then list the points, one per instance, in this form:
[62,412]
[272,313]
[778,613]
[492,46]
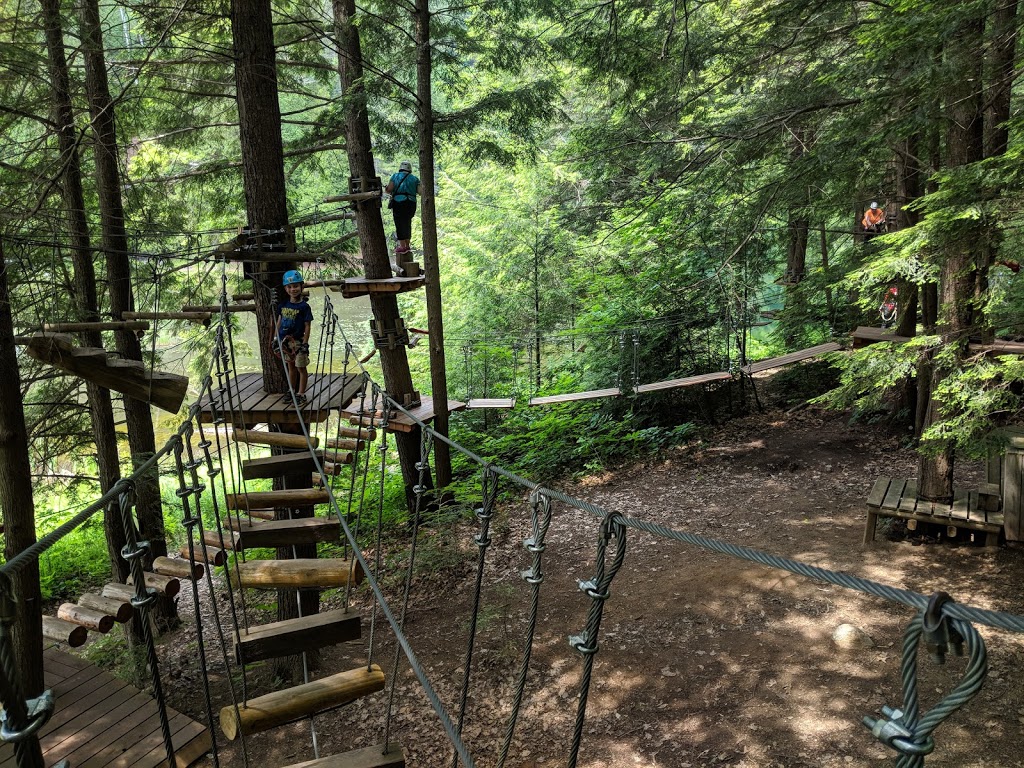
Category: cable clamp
[532,576]
[205,444]
[141,548]
[143,602]
[194,464]
[891,731]
[39,711]
[212,472]
[581,643]
[419,490]
[482,541]
[939,633]
[190,523]
[532,545]
[483,513]
[590,589]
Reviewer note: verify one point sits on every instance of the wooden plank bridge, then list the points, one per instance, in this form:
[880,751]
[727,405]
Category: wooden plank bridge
[251,404]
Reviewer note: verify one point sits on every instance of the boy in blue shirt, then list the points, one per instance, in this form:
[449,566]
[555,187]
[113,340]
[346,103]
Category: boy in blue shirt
[294,321]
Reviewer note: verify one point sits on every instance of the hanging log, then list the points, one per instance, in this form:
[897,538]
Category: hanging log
[292,636]
[216,556]
[181,569]
[97,621]
[126,325]
[215,308]
[346,444]
[276,439]
[324,573]
[378,756]
[222,540]
[360,433]
[195,317]
[73,635]
[279,707]
[121,610]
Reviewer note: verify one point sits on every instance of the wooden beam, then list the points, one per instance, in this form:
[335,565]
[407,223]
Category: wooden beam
[217,556]
[285,533]
[90,618]
[279,707]
[378,756]
[124,325]
[121,610]
[181,569]
[324,573]
[196,317]
[278,466]
[300,497]
[292,636]
[353,197]
[223,540]
[276,439]
[215,309]
[345,444]
[65,632]
[165,585]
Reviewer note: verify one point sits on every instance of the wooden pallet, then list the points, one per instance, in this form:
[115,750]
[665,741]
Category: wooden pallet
[898,498]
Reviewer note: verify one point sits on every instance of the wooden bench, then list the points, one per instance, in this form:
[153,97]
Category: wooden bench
[972,510]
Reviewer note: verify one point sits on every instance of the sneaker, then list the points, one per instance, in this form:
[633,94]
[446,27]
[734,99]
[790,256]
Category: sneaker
[301,400]
[399,251]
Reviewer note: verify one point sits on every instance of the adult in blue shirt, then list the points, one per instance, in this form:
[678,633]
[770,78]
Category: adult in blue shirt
[402,188]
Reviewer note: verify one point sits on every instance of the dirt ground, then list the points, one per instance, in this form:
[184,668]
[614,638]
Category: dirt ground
[703,660]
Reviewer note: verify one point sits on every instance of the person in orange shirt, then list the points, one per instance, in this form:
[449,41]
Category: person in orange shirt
[873,221]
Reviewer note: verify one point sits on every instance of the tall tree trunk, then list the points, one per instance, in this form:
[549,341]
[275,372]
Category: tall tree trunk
[956,284]
[101,410]
[428,221]
[16,503]
[141,440]
[908,189]
[372,241]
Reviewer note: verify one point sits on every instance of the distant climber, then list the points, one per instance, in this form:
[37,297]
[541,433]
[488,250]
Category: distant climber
[873,221]
[403,187]
[291,333]
[890,306]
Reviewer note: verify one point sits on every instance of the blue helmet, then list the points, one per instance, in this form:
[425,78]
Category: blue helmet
[292,276]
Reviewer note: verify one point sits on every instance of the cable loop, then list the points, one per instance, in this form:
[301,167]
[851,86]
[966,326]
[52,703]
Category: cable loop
[39,711]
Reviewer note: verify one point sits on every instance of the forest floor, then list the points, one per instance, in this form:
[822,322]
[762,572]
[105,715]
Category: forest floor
[704,660]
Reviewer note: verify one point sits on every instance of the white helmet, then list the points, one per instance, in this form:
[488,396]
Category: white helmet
[874,206]
[405,165]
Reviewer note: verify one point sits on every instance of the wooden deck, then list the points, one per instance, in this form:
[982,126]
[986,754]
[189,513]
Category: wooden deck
[898,498]
[102,721]
[252,405]
[865,335]
[361,286]
[399,422]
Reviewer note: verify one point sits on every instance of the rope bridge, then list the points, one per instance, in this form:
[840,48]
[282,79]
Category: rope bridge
[221,513]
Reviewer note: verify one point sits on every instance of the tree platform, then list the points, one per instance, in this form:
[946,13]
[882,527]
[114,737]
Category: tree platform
[102,721]
[866,334]
[251,404]
[898,498]
[361,286]
[399,422]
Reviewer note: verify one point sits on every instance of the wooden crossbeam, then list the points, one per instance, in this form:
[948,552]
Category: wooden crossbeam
[264,712]
[361,286]
[289,499]
[195,317]
[277,439]
[215,308]
[126,325]
[575,396]
[378,756]
[292,636]
[284,533]
[278,466]
[323,573]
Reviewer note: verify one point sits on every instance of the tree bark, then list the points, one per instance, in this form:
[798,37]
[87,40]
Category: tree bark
[372,241]
[428,222]
[101,410]
[141,439]
[16,503]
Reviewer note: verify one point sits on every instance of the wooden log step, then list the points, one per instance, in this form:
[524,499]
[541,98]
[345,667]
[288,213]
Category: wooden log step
[323,573]
[339,457]
[276,466]
[90,618]
[347,444]
[182,569]
[214,555]
[132,325]
[195,317]
[58,630]
[292,636]
[224,540]
[285,533]
[360,433]
[165,585]
[279,707]
[303,497]
[277,439]
[121,610]
[378,756]
[215,308]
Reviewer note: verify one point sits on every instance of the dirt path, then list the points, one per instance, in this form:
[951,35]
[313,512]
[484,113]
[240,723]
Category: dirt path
[703,660]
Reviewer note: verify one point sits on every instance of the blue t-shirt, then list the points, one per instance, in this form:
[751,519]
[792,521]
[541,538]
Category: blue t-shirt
[405,187]
[293,319]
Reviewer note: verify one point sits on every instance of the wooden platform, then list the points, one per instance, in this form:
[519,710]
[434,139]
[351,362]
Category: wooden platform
[689,381]
[361,286]
[573,397]
[102,721]
[898,498]
[399,422]
[325,392]
[491,402]
[864,335]
[792,357]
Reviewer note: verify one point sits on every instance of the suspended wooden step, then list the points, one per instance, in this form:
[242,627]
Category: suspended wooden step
[491,402]
[195,317]
[304,573]
[223,540]
[215,309]
[165,585]
[180,569]
[129,377]
[345,443]
[284,533]
[792,357]
[293,636]
[361,286]
[121,610]
[573,397]
[90,618]
[58,630]
[689,381]
[277,466]
[124,325]
[280,707]
[251,404]
[214,556]
[361,433]
[259,514]
[378,756]
[338,457]
[301,497]
[865,335]
[275,439]
[399,422]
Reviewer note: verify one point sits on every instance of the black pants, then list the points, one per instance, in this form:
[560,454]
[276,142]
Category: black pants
[403,211]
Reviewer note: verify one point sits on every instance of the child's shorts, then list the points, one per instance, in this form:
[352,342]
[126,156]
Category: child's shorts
[291,348]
